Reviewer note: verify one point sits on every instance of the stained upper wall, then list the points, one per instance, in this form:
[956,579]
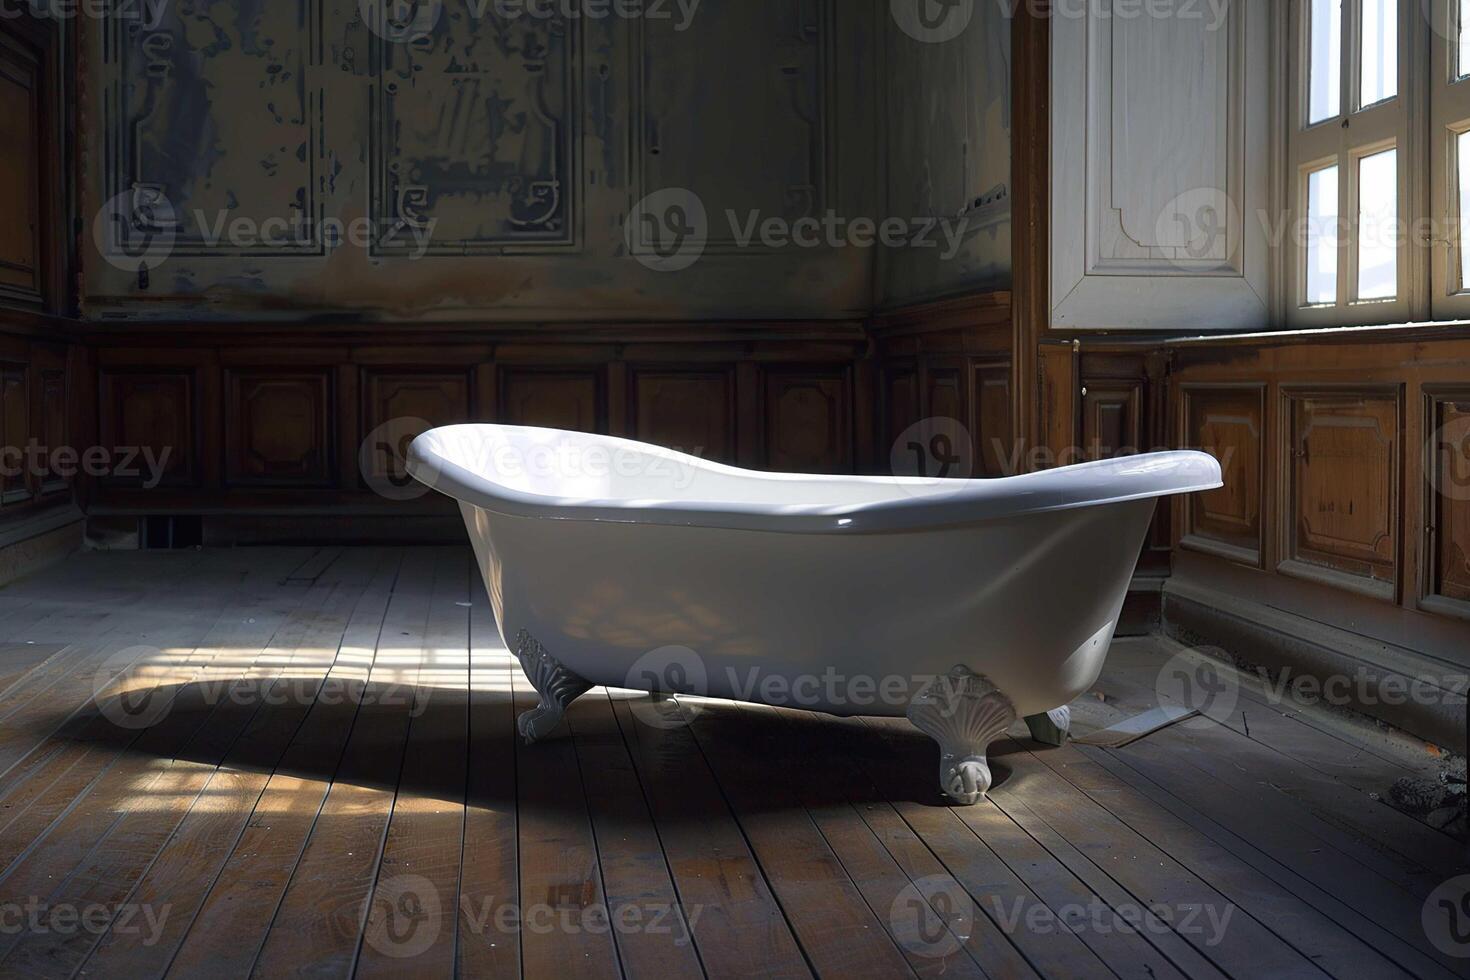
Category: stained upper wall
[498,159]
[946,147]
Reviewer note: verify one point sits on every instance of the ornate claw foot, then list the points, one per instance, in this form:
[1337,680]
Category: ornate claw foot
[1051,728]
[963,712]
[557,686]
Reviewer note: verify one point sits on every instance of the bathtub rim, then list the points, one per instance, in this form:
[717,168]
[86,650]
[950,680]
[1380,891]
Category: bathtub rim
[945,503]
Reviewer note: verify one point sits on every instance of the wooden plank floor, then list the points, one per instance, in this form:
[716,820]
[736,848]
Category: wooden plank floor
[272,762]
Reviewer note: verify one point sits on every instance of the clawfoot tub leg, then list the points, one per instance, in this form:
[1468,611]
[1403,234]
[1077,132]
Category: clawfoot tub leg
[964,713]
[557,686]
[1051,727]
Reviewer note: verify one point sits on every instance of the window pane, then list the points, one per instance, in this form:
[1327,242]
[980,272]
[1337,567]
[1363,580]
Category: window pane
[1462,62]
[1378,226]
[1322,236]
[1325,60]
[1462,163]
[1380,51]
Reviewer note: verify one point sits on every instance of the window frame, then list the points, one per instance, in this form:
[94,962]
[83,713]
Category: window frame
[1449,116]
[1345,139]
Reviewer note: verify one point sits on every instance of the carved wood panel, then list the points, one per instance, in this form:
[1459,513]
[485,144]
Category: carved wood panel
[992,422]
[1112,418]
[50,425]
[556,399]
[1227,423]
[1449,497]
[153,410]
[762,67]
[808,420]
[21,154]
[215,175]
[946,396]
[900,394]
[15,486]
[473,144]
[1344,485]
[692,411]
[278,428]
[398,406]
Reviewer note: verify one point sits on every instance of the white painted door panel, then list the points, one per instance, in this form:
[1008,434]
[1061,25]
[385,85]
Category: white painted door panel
[1160,166]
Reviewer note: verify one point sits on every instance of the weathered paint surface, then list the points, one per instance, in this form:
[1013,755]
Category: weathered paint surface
[471,159]
[948,151]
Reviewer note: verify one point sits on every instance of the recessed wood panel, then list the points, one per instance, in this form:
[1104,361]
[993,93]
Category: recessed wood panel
[20,174]
[49,426]
[398,406]
[15,486]
[278,428]
[946,406]
[571,400]
[153,412]
[992,422]
[692,411]
[900,407]
[808,421]
[1449,498]
[1227,423]
[1112,418]
[1344,490]
[946,393]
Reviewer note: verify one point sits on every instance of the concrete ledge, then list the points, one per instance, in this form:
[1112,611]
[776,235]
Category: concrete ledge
[1421,695]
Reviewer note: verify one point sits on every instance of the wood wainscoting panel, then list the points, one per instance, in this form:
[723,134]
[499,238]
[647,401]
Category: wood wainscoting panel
[15,486]
[1229,424]
[156,410]
[21,153]
[400,405]
[556,398]
[1448,469]
[808,420]
[278,428]
[1343,490]
[945,395]
[991,423]
[49,415]
[1112,418]
[691,411]
[901,409]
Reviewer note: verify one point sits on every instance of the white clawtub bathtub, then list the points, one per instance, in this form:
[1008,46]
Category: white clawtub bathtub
[962,604]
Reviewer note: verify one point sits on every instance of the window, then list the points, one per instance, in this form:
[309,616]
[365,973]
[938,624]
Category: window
[1350,154]
[1378,161]
[1449,154]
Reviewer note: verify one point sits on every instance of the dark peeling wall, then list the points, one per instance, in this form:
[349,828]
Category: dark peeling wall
[471,159]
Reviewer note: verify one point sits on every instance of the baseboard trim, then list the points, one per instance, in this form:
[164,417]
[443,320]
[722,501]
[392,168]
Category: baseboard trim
[1385,682]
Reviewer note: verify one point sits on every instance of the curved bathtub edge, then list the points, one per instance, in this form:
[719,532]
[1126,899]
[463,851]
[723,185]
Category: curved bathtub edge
[970,502]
